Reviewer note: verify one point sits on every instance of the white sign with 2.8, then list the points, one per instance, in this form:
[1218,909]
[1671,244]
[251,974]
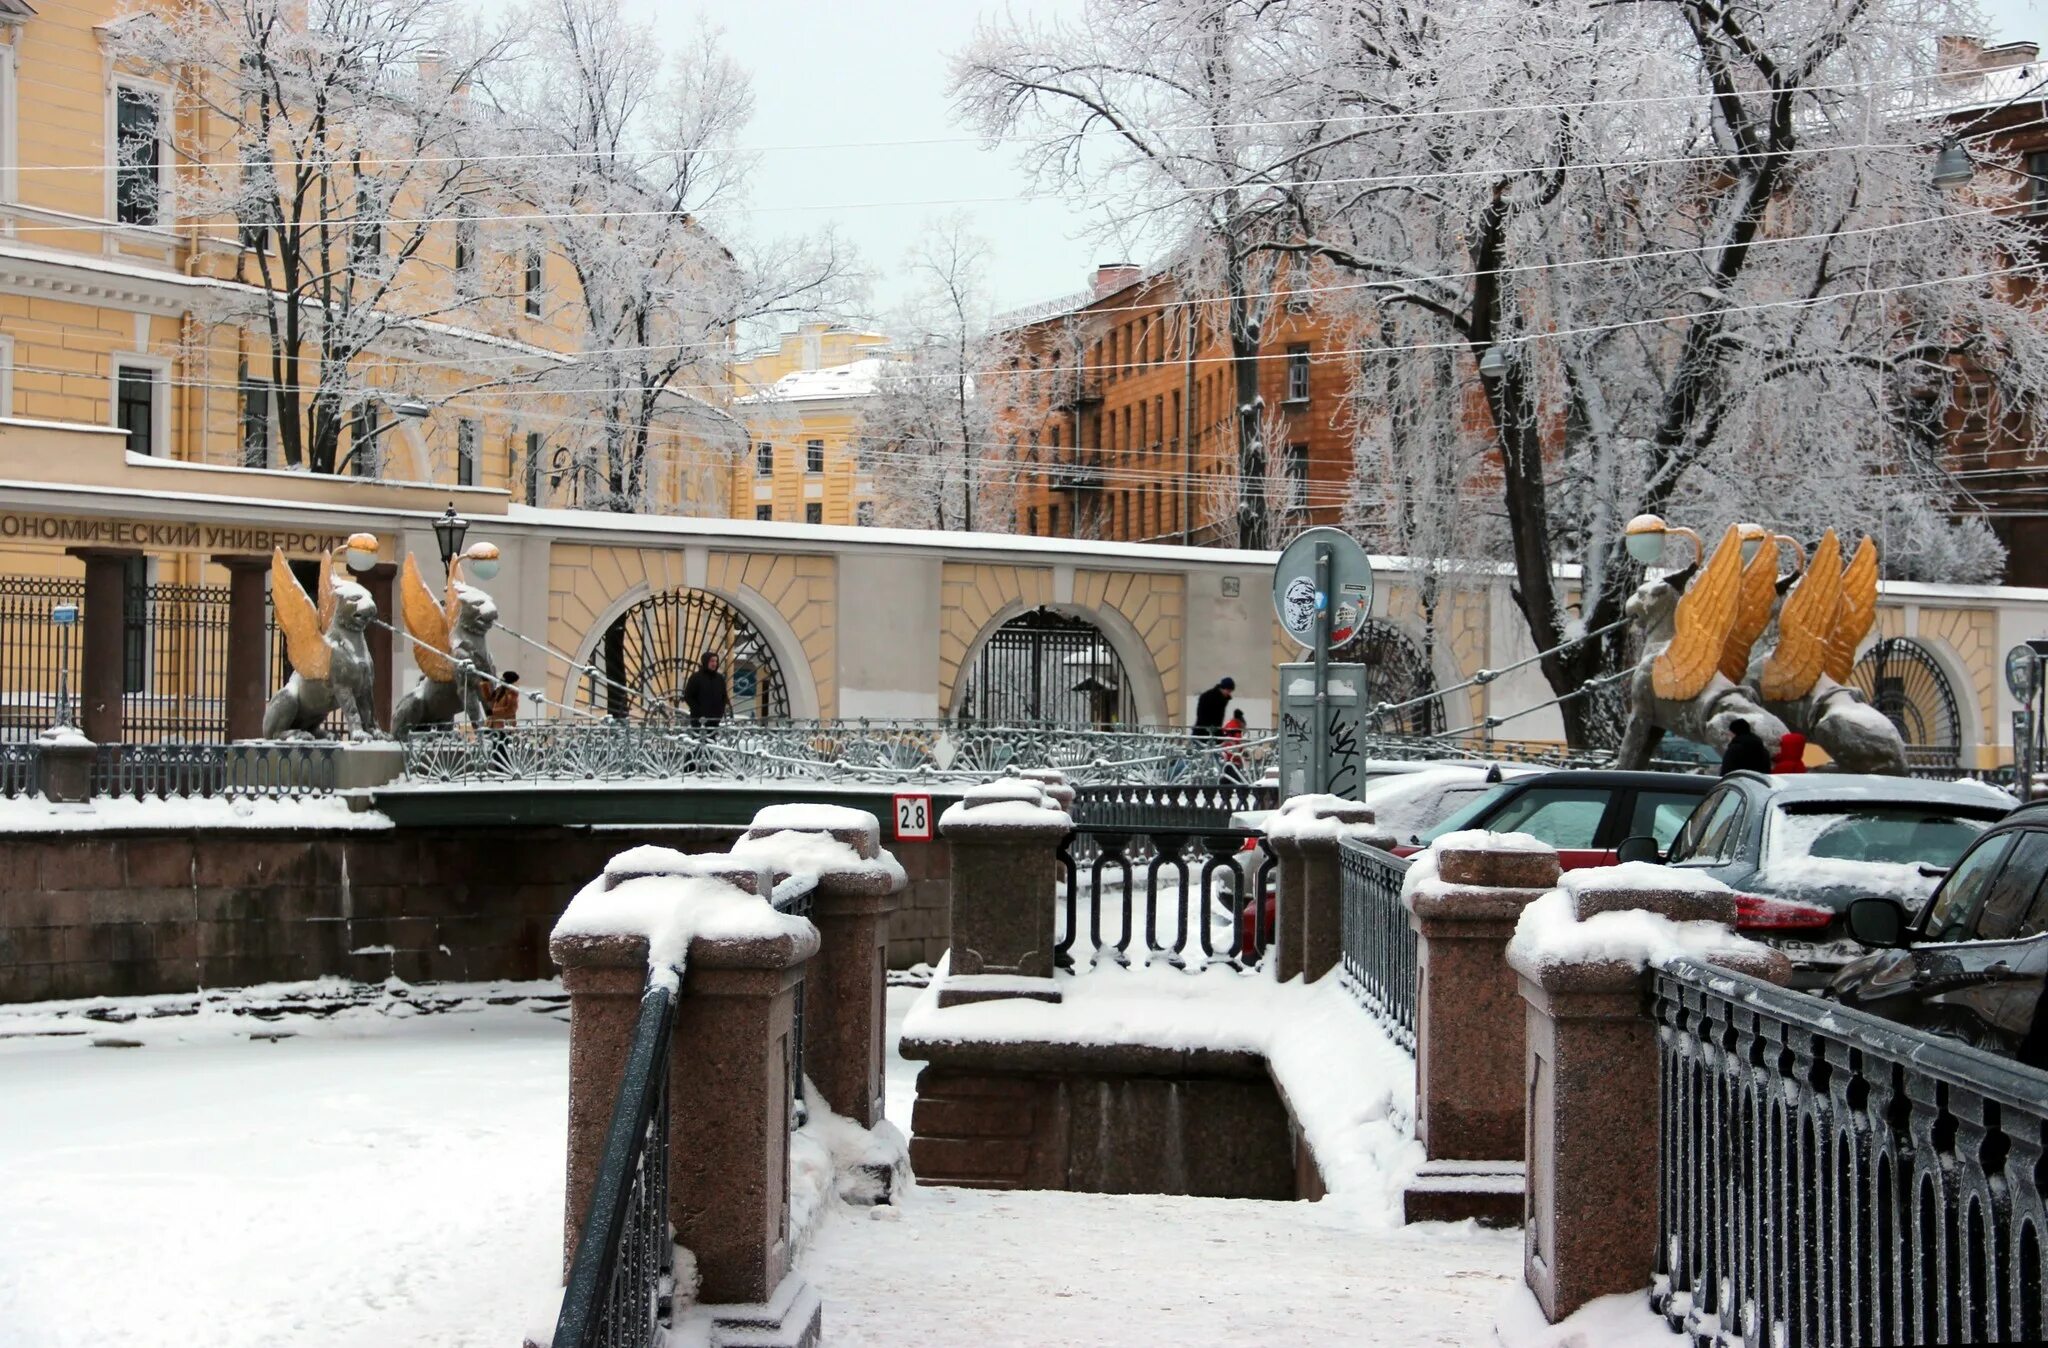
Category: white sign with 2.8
[913,818]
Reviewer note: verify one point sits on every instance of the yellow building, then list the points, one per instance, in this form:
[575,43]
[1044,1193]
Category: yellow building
[802,404]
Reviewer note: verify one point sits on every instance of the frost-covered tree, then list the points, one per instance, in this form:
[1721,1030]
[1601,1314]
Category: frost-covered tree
[630,155]
[1155,109]
[930,433]
[337,135]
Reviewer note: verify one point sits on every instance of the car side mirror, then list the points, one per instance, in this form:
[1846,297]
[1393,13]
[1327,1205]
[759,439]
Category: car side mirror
[1877,923]
[1639,848]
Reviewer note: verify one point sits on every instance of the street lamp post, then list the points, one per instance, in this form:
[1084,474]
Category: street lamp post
[449,531]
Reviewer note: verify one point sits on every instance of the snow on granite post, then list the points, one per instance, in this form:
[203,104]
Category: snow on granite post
[845,989]
[1582,953]
[1464,897]
[64,759]
[1308,905]
[1005,838]
[655,913]
[1054,782]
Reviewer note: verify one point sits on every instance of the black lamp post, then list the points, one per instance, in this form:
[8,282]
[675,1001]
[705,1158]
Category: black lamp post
[449,531]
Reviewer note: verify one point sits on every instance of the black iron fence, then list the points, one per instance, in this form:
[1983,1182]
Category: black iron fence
[796,896]
[1184,808]
[175,663]
[1196,890]
[1830,1178]
[38,659]
[620,1276]
[1379,945]
[18,769]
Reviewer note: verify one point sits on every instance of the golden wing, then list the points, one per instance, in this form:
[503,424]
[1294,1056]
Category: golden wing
[426,624]
[1752,613]
[325,597]
[1706,613]
[1854,613]
[305,636]
[1805,625]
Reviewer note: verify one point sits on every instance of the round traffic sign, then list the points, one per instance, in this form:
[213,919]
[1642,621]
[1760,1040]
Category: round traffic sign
[1296,600]
[2022,671]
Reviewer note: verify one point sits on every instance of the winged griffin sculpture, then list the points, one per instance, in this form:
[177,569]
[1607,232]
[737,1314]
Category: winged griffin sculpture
[1701,667]
[325,642]
[451,647]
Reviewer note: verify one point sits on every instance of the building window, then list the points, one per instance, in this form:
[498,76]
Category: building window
[535,447]
[1052,521]
[366,239]
[766,512]
[465,251]
[257,209]
[138,156]
[1297,480]
[2036,194]
[814,513]
[764,459]
[814,456]
[255,422]
[135,395]
[864,514]
[465,453]
[365,455]
[1031,521]
[532,280]
[1297,373]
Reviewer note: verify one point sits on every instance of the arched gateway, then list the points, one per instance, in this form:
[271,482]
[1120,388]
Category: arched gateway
[1044,666]
[654,647]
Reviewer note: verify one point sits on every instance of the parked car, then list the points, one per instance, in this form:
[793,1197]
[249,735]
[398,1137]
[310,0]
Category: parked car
[1585,813]
[1972,963]
[1799,849]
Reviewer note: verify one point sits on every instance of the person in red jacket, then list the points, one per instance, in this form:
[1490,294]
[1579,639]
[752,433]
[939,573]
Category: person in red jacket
[1233,748]
[1791,753]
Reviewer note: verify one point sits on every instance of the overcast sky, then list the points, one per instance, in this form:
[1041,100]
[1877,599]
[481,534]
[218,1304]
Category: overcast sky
[833,73]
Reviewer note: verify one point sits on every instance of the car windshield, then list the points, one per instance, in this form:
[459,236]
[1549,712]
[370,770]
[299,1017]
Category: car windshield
[1463,818]
[1907,835]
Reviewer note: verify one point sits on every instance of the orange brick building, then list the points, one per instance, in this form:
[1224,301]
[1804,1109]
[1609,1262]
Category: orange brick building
[1130,432]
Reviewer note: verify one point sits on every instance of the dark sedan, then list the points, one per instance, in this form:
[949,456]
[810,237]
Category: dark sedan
[1973,962]
[1585,814]
[1798,849]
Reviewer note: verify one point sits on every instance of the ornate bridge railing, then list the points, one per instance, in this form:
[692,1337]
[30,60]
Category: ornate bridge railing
[620,1277]
[880,751]
[1827,1177]
[1191,807]
[149,771]
[1195,892]
[1379,945]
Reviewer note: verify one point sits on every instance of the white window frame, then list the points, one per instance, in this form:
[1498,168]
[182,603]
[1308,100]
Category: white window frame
[533,265]
[160,407]
[166,166]
[469,429]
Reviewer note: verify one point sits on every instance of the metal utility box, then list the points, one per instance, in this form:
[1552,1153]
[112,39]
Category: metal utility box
[1343,729]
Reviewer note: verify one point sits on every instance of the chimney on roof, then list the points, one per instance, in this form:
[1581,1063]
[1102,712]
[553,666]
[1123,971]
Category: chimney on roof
[1960,57]
[1111,277]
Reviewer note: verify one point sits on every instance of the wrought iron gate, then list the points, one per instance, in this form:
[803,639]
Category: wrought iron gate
[657,644]
[31,649]
[1395,671]
[1046,666]
[174,656]
[1901,679]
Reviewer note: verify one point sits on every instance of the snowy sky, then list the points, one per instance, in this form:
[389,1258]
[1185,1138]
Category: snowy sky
[829,73]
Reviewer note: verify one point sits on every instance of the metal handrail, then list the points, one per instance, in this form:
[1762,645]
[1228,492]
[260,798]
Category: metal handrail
[1829,1177]
[615,1298]
[1380,958]
[1204,859]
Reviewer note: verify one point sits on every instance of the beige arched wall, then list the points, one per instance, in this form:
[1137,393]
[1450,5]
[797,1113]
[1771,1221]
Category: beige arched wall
[971,594]
[1964,641]
[790,597]
[1155,605]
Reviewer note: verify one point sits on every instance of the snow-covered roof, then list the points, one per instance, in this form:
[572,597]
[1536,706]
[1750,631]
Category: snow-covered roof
[854,380]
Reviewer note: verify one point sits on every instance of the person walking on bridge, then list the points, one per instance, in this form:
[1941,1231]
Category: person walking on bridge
[1211,707]
[706,694]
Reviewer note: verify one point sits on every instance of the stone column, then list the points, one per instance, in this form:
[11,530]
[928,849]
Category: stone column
[1308,920]
[845,989]
[604,977]
[102,658]
[729,1101]
[1591,1081]
[1469,1034]
[1005,839]
[248,681]
[378,581]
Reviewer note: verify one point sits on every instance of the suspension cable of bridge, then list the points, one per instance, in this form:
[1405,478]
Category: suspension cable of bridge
[1486,676]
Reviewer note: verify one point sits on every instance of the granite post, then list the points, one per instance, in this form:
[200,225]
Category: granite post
[1005,839]
[1591,1081]
[1469,1031]
[102,657]
[846,988]
[604,977]
[1307,835]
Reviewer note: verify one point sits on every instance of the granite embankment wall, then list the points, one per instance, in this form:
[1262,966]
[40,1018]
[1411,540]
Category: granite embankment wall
[86,915]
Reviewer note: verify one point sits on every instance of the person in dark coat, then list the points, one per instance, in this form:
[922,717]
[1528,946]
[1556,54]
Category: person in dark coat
[1745,750]
[705,693]
[1212,706]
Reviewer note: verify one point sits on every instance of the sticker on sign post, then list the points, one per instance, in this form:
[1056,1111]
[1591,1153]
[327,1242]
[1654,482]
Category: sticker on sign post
[913,818]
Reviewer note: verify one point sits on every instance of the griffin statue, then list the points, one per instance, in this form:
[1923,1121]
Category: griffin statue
[451,646]
[329,654]
[1701,667]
